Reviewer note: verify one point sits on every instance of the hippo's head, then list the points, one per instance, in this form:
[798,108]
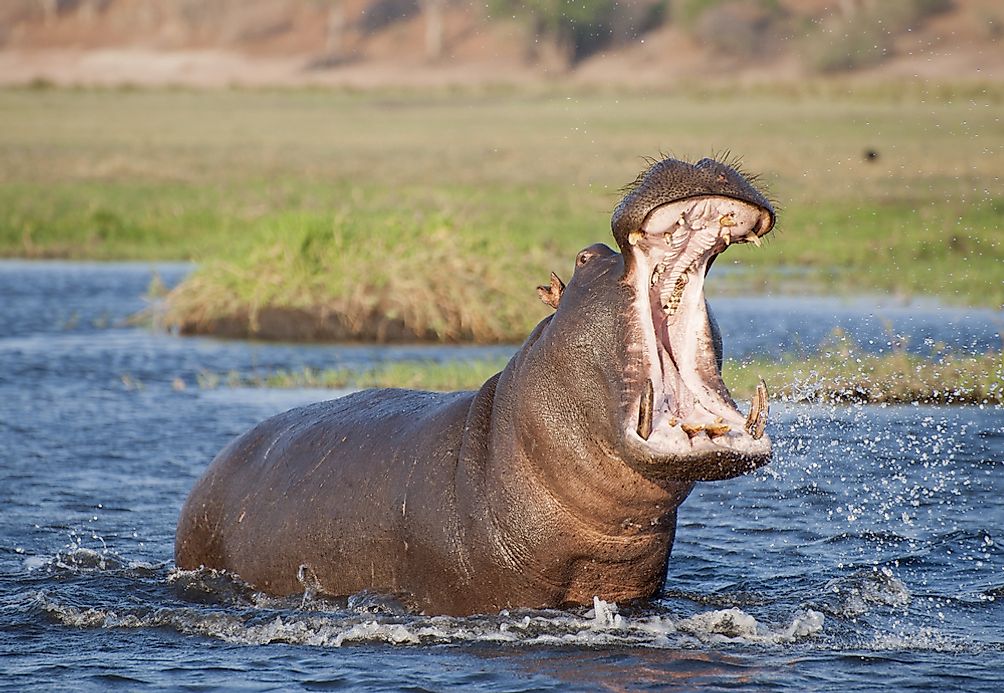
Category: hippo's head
[645,353]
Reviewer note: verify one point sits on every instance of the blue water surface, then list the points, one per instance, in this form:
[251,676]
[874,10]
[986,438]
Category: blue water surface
[867,555]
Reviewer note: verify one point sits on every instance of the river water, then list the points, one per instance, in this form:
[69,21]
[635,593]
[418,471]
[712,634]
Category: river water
[868,554]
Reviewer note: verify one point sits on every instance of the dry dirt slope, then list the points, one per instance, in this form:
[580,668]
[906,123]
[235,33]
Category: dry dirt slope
[382,42]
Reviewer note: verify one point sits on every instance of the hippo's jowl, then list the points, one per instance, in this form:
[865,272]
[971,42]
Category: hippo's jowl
[558,480]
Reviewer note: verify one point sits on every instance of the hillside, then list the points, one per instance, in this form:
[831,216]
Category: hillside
[437,42]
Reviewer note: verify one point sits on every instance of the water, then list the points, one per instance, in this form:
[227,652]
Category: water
[868,554]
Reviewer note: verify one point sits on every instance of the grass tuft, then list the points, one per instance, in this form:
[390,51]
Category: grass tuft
[373,275]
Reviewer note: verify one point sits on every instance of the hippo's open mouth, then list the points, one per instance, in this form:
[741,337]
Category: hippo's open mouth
[683,408]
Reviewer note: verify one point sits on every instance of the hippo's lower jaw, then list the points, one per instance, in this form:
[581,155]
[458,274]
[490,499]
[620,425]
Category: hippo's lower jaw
[683,416]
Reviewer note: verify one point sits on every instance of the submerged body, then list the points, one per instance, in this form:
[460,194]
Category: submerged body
[555,482]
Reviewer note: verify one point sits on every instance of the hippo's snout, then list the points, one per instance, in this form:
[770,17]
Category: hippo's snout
[671,180]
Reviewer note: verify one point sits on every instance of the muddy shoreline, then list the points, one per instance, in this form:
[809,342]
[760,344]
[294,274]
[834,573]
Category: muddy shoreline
[319,326]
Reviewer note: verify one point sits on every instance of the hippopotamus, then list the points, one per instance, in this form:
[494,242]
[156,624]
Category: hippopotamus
[556,482]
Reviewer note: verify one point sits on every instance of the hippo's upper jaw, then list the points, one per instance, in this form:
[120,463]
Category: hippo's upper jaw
[682,422]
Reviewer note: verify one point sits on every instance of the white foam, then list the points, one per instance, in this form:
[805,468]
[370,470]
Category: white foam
[602,625]
[736,625]
[36,562]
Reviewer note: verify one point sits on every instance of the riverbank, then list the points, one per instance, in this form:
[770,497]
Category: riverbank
[397,215]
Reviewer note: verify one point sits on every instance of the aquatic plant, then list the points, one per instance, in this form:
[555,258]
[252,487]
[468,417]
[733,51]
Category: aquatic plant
[849,376]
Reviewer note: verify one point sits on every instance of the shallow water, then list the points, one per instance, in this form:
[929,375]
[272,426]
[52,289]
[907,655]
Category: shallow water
[869,553]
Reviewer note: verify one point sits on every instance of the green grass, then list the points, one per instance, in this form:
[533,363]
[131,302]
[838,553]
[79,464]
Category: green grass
[119,220]
[897,378]
[837,376]
[435,214]
[946,247]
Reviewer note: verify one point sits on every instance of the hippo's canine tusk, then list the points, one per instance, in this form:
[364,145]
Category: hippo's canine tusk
[756,422]
[645,410]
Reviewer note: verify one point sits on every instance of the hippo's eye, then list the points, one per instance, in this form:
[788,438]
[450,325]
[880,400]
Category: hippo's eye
[584,257]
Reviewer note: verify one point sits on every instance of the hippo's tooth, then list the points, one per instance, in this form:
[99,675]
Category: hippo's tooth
[756,421]
[727,237]
[671,303]
[645,410]
[753,238]
[635,236]
[692,429]
[717,429]
[727,220]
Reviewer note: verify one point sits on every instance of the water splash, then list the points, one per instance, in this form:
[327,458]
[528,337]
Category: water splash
[856,594]
[75,558]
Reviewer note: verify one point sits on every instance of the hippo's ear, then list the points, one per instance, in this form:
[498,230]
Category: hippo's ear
[551,295]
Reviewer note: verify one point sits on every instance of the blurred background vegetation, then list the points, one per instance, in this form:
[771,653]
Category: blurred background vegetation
[319,40]
[412,169]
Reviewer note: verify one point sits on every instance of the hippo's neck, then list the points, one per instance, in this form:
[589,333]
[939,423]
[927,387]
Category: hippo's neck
[555,506]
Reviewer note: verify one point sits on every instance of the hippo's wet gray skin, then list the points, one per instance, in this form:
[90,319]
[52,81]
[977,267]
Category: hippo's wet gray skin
[555,482]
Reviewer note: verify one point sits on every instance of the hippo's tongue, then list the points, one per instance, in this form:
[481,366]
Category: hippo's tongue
[687,403]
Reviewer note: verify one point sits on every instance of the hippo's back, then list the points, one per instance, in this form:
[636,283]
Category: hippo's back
[324,489]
